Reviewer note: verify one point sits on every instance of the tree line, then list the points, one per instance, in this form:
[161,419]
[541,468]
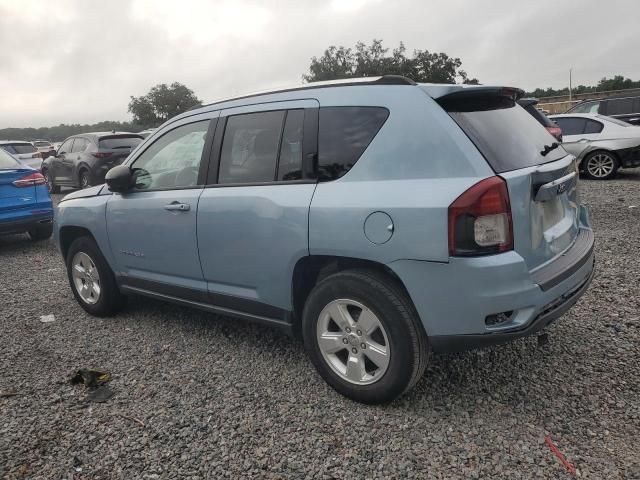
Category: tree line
[164,101]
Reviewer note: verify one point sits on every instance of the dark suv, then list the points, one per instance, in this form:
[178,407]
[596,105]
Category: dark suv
[84,159]
[626,109]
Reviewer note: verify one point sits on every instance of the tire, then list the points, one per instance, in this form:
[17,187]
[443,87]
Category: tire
[40,233]
[84,179]
[600,165]
[401,336]
[108,300]
[52,187]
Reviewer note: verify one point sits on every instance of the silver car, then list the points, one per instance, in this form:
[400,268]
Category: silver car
[601,144]
[23,151]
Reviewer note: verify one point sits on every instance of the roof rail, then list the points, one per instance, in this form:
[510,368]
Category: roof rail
[343,82]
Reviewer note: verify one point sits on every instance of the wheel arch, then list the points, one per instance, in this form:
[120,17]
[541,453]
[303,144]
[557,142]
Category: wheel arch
[312,269]
[69,233]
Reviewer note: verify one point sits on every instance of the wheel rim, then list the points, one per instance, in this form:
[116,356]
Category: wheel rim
[600,165]
[86,278]
[353,342]
[84,180]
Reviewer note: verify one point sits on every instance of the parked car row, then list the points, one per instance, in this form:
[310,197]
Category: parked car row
[377,218]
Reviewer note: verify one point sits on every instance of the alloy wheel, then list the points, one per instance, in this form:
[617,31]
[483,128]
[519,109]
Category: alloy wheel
[601,165]
[86,278]
[353,342]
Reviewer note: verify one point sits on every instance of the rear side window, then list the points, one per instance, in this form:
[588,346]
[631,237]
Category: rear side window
[620,106]
[571,125]
[21,148]
[7,161]
[121,141]
[507,136]
[593,127]
[344,134]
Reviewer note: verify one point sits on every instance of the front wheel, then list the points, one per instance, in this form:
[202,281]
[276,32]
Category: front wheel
[363,336]
[601,165]
[91,279]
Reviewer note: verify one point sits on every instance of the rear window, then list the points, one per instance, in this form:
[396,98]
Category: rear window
[7,161]
[344,134]
[42,144]
[20,148]
[109,143]
[506,135]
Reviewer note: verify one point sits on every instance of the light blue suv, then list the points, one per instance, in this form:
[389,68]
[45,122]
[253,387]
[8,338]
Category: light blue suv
[377,218]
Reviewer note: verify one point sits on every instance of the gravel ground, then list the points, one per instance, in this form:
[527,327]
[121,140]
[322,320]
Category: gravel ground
[199,396]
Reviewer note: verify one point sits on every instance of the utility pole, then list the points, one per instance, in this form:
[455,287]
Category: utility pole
[570,97]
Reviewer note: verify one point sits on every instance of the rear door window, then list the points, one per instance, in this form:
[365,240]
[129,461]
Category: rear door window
[121,141]
[506,135]
[79,145]
[571,125]
[250,147]
[343,136]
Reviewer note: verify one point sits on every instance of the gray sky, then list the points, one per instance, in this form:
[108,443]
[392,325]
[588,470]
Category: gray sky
[78,61]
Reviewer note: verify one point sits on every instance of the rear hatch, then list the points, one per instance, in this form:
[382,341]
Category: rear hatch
[11,196]
[541,176]
[117,147]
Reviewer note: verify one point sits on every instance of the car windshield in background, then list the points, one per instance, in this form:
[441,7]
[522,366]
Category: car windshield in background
[507,136]
[7,161]
[111,143]
[42,144]
[21,148]
[614,120]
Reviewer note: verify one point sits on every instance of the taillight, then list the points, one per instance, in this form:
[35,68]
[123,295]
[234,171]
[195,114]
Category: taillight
[101,154]
[36,155]
[480,220]
[30,180]
[556,132]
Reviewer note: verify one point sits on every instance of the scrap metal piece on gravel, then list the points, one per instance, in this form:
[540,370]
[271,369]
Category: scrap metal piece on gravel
[90,377]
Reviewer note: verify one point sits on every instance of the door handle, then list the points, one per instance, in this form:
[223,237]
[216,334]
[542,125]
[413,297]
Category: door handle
[177,206]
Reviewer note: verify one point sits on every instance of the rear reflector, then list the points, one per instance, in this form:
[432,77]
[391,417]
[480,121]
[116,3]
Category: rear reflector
[480,220]
[30,180]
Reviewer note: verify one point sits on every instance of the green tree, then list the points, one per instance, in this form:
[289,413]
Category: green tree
[162,103]
[373,60]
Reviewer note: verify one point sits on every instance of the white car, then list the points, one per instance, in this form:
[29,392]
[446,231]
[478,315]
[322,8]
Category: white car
[45,147]
[23,151]
[601,144]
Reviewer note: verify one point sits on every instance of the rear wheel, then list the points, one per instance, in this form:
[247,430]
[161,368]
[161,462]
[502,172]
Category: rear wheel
[39,233]
[91,279]
[51,186]
[601,165]
[363,336]
[85,179]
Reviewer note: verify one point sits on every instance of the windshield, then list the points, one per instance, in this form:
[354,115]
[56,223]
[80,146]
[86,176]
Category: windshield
[7,162]
[506,135]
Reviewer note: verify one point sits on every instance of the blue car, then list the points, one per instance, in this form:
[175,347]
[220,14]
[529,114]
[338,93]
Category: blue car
[379,219]
[25,204]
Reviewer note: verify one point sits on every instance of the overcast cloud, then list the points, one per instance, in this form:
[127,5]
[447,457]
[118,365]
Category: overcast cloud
[78,61]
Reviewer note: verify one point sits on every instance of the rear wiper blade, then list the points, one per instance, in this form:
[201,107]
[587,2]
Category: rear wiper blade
[548,148]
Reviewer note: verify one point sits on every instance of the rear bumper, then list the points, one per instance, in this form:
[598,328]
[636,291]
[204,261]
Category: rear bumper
[455,299]
[24,224]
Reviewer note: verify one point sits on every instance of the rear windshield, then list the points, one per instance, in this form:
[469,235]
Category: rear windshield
[20,148]
[506,135]
[7,161]
[42,144]
[122,141]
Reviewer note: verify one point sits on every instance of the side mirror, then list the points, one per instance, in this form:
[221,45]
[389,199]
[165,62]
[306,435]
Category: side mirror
[119,179]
